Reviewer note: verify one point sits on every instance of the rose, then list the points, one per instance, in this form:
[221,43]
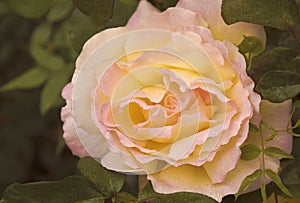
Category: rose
[168,96]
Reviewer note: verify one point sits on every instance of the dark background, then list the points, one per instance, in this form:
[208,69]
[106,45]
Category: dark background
[31,147]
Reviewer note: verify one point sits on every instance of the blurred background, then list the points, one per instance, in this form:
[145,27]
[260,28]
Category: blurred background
[31,147]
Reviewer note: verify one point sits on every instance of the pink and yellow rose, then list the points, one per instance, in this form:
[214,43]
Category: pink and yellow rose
[168,96]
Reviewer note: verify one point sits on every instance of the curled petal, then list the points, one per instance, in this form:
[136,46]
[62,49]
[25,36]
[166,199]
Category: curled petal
[70,135]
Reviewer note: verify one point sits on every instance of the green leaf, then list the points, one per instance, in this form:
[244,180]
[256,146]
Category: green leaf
[164,4]
[32,78]
[184,197]
[280,14]
[285,39]
[93,200]
[80,29]
[290,176]
[251,45]
[271,137]
[123,10]
[147,193]
[46,59]
[30,8]
[296,134]
[248,180]
[275,177]
[68,190]
[250,152]
[41,34]
[276,74]
[100,11]
[278,58]
[278,86]
[61,41]
[60,10]
[51,93]
[253,128]
[297,124]
[296,104]
[277,153]
[126,198]
[107,182]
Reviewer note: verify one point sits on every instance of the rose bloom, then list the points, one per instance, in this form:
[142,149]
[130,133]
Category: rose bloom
[167,96]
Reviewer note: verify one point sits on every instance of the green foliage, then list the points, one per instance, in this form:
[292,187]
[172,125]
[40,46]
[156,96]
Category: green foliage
[263,192]
[251,45]
[250,152]
[253,128]
[107,182]
[93,200]
[124,197]
[123,9]
[32,78]
[68,190]
[98,185]
[183,197]
[48,46]
[50,96]
[277,153]
[163,4]
[280,14]
[100,11]
[81,28]
[30,8]
[148,193]
[46,59]
[275,177]
[248,180]
[278,86]
[60,10]
[297,124]
[288,38]
[276,74]
[41,35]
[290,176]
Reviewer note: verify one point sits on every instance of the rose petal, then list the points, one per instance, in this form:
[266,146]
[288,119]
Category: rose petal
[278,115]
[211,12]
[189,178]
[96,41]
[227,157]
[113,161]
[70,136]
[144,9]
